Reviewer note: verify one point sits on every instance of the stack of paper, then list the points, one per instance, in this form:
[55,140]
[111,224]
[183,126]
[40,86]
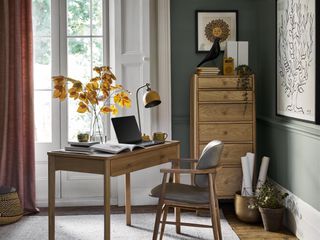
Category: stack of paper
[207,71]
[80,147]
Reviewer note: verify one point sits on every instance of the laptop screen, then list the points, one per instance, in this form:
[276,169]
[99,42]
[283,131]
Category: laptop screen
[126,129]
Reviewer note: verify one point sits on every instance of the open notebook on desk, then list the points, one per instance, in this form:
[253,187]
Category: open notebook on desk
[114,148]
[108,147]
[127,131]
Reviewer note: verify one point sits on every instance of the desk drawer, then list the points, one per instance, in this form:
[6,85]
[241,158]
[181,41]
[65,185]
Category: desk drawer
[225,112]
[141,159]
[232,132]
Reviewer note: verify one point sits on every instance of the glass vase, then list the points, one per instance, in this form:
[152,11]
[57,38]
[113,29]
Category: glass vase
[97,132]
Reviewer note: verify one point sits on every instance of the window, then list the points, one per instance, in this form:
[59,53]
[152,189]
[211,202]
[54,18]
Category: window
[70,37]
[75,49]
[84,51]
[42,69]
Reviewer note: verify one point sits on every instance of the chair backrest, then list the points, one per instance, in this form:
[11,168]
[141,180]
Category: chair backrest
[210,157]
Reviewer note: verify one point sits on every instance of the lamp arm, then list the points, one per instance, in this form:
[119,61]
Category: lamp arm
[137,100]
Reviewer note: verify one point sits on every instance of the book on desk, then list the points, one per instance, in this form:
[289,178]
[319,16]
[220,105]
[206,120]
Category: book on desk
[109,147]
[115,147]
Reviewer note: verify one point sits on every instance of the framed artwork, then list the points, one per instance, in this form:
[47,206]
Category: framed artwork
[212,24]
[297,76]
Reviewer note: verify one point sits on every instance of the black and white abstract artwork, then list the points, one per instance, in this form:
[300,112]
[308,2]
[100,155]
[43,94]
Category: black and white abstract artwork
[296,59]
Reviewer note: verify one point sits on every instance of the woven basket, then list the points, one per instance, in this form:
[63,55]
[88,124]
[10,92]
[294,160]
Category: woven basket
[10,208]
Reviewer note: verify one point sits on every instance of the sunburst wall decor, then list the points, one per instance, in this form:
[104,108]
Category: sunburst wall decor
[212,24]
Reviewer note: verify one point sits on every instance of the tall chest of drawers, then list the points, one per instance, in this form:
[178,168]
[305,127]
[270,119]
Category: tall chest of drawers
[221,108]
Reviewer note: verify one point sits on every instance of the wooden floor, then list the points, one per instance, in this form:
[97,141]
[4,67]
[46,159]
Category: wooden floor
[252,231]
[243,230]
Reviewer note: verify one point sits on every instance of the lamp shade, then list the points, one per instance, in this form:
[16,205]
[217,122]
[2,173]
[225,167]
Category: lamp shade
[151,99]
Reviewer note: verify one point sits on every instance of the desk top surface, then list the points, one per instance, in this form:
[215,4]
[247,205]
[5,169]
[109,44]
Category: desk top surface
[101,155]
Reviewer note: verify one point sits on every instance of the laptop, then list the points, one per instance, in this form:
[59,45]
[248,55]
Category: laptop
[127,131]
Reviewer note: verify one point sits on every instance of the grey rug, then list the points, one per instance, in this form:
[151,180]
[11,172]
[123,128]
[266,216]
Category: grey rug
[90,227]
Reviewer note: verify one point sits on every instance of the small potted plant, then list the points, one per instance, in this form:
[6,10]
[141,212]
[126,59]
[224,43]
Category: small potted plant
[269,200]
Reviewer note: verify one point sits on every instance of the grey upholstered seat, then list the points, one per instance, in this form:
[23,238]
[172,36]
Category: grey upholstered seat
[183,192]
[198,196]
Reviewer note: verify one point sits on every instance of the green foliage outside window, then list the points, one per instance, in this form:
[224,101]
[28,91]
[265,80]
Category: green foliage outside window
[78,17]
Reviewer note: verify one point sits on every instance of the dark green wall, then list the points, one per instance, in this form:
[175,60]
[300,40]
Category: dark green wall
[185,59]
[294,146]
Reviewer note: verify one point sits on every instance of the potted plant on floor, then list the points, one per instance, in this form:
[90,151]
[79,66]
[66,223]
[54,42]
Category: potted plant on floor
[269,200]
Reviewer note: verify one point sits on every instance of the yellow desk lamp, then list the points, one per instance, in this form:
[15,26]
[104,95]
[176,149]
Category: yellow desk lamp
[150,99]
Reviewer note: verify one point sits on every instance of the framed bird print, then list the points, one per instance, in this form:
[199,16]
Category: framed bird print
[213,24]
[298,83]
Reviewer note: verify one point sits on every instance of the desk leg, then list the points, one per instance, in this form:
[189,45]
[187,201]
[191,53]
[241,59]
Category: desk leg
[177,180]
[51,196]
[107,200]
[128,199]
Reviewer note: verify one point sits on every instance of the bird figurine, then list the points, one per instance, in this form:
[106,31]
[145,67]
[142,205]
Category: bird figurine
[213,53]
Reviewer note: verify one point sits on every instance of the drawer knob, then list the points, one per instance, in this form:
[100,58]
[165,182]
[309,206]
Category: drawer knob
[225,132]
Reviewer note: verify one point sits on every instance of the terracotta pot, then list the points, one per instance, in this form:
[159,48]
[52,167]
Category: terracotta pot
[245,214]
[272,218]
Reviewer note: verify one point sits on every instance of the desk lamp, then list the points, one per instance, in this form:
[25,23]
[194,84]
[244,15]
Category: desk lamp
[150,99]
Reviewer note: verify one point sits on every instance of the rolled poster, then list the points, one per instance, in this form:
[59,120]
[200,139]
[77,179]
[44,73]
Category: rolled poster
[250,159]
[263,172]
[246,181]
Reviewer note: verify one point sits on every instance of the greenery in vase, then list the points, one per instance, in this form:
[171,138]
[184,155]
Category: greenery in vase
[268,196]
[94,97]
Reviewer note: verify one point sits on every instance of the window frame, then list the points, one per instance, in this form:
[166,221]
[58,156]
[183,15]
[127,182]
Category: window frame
[63,59]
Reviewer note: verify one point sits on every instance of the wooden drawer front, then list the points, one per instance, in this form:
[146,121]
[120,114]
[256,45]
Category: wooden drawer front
[221,82]
[228,181]
[225,112]
[142,160]
[232,153]
[216,96]
[236,132]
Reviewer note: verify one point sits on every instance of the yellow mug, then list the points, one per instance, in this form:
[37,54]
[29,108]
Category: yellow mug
[83,137]
[160,136]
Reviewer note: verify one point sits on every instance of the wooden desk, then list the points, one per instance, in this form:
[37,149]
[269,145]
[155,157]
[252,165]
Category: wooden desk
[110,166]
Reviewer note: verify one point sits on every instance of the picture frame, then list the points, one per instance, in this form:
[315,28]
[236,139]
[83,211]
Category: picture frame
[297,77]
[210,24]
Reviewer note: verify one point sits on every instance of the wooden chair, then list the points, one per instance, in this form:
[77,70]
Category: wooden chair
[201,195]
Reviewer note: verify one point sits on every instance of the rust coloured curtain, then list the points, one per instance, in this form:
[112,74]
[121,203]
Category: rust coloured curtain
[17,161]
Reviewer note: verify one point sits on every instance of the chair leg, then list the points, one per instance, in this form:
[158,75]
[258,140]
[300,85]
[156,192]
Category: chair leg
[159,208]
[157,222]
[218,216]
[214,220]
[214,209]
[164,219]
[178,219]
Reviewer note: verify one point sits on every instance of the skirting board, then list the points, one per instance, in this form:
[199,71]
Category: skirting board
[301,218]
